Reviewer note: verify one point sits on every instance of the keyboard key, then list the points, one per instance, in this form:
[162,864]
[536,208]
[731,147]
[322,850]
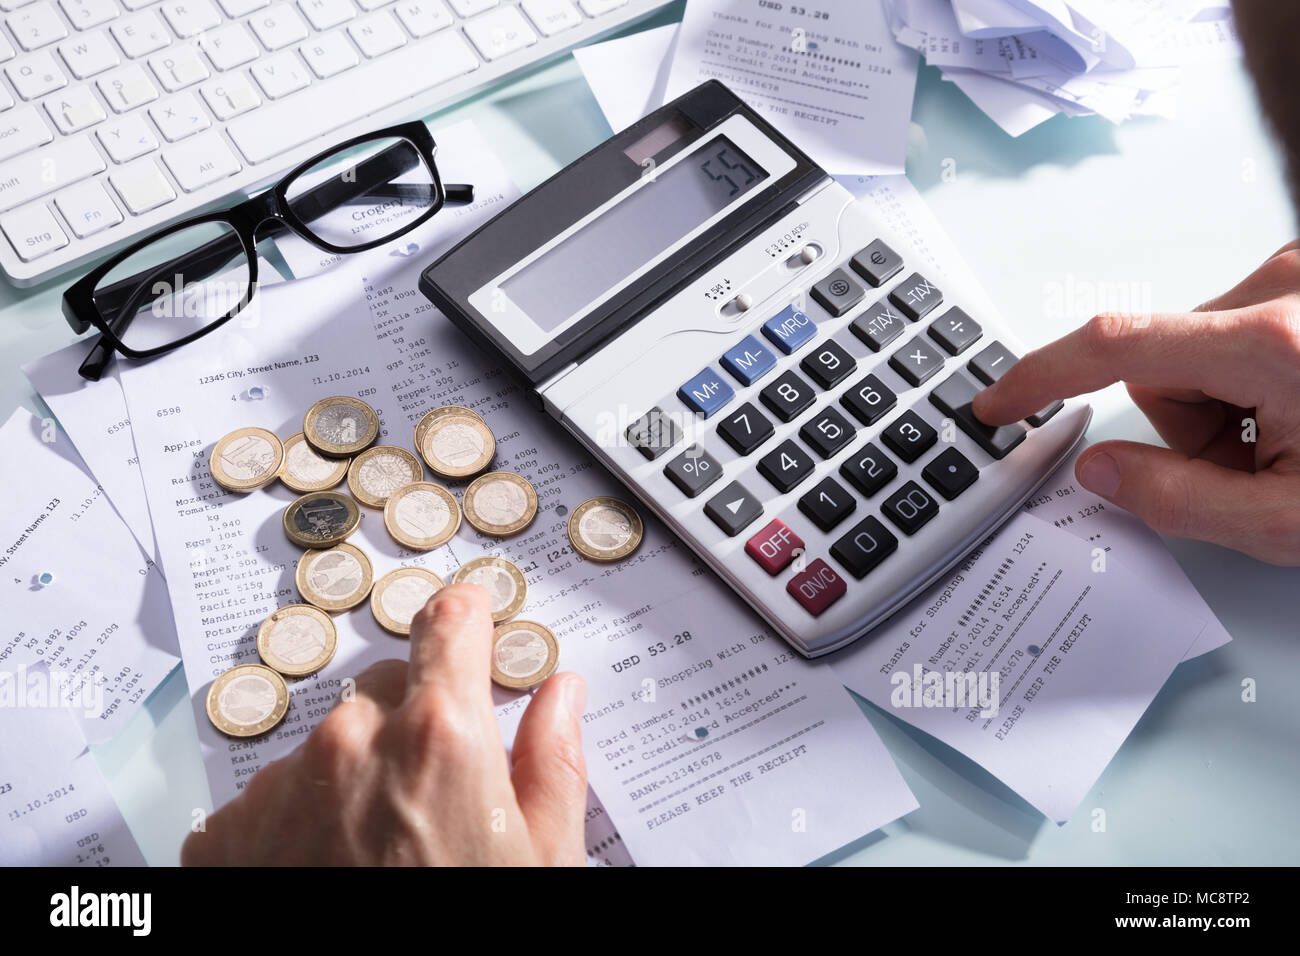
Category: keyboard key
[950,473]
[827,504]
[916,296]
[329,55]
[748,360]
[789,329]
[869,400]
[734,509]
[829,365]
[785,466]
[89,53]
[869,469]
[127,87]
[877,263]
[879,325]
[36,75]
[596,8]
[278,27]
[910,507]
[423,17]
[324,14]
[190,17]
[1039,418]
[72,110]
[84,14]
[36,25]
[653,433]
[990,362]
[909,436]
[140,34]
[468,8]
[237,8]
[745,428]
[867,544]
[23,129]
[142,186]
[179,117]
[230,95]
[917,361]
[279,127]
[817,588]
[706,393]
[280,75]
[33,230]
[837,293]
[827,432]
[500,32]
[552,16]
[377,34]
[955,331]
[36,173]
[229,46]
[178,68]
[201,161]
[787,396]
[774,547]
[87,208]
[953,398]
[693,470]
[127,137]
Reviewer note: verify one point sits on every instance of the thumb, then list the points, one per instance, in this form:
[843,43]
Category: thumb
[1180,496]
[549,771]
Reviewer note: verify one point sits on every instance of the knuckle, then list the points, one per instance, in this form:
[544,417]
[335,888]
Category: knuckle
[1278,329]
[437,727]
[1107,331]
[1281,532]
[338,742]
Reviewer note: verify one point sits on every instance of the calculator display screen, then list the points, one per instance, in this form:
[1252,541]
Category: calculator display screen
[667,206]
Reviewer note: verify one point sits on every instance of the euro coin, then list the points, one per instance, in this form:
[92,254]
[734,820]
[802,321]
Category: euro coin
[340,426]
[398,596]
[456,446]
[422,516]
[500,503]
[523,654]
[441,412]
[605,529]
[297,640]
[305,469]
[247,700]
[335,579]
[379,471]
[246,459]
[321,519]
[505,584]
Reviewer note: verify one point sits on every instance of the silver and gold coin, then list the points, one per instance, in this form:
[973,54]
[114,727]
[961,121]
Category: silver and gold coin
[305,469]
[335,579]
[505,584]
[340,426]
[422,515]
[605,529]
[457,446]
[500,503]
[247,700]
[246,459]
[379,471]
[524,653]
[321,519]
[398,596]
[441,412]
[297,640]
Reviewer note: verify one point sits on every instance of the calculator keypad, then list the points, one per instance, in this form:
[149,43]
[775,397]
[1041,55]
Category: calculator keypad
[759,385]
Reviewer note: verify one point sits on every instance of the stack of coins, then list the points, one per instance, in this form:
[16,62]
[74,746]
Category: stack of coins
[337,443]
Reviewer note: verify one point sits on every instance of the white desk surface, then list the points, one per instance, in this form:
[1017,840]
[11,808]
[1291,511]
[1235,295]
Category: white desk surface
[1156,213]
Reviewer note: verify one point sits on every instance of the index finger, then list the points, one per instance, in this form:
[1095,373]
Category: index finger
[451,644]
[1210,352]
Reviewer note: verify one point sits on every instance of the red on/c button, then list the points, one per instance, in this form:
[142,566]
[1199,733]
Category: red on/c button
[774,547]
[817,588]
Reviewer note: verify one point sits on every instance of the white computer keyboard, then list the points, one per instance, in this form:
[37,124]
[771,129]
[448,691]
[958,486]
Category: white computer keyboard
[117,116]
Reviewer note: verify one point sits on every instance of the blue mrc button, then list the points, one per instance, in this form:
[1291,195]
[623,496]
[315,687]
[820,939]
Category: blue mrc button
[789,329]
[748,360]
[706,393]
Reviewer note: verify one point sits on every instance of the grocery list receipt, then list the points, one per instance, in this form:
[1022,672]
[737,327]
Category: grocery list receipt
[705,738]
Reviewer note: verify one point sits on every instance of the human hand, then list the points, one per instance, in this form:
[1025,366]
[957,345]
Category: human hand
[413,770]
[1197,377]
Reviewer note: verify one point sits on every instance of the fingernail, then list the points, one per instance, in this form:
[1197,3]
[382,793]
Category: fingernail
[575,695]
[1100,475]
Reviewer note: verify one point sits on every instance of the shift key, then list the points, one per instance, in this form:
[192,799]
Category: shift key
[36,173]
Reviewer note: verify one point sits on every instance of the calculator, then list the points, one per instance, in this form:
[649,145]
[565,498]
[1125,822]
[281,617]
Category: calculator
[762,363]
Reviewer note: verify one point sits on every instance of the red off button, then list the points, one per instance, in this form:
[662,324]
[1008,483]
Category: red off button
[817,588]
[774,547]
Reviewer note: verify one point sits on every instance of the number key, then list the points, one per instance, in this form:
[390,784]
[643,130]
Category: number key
[745,429]
[869,470]
[869,400]
[787,396]
[827,504]
[785,466]
[909,436]
[827,433]
[829,365]
[910,507]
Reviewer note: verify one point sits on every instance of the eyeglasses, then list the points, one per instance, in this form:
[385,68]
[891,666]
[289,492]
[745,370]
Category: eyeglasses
[188,279]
